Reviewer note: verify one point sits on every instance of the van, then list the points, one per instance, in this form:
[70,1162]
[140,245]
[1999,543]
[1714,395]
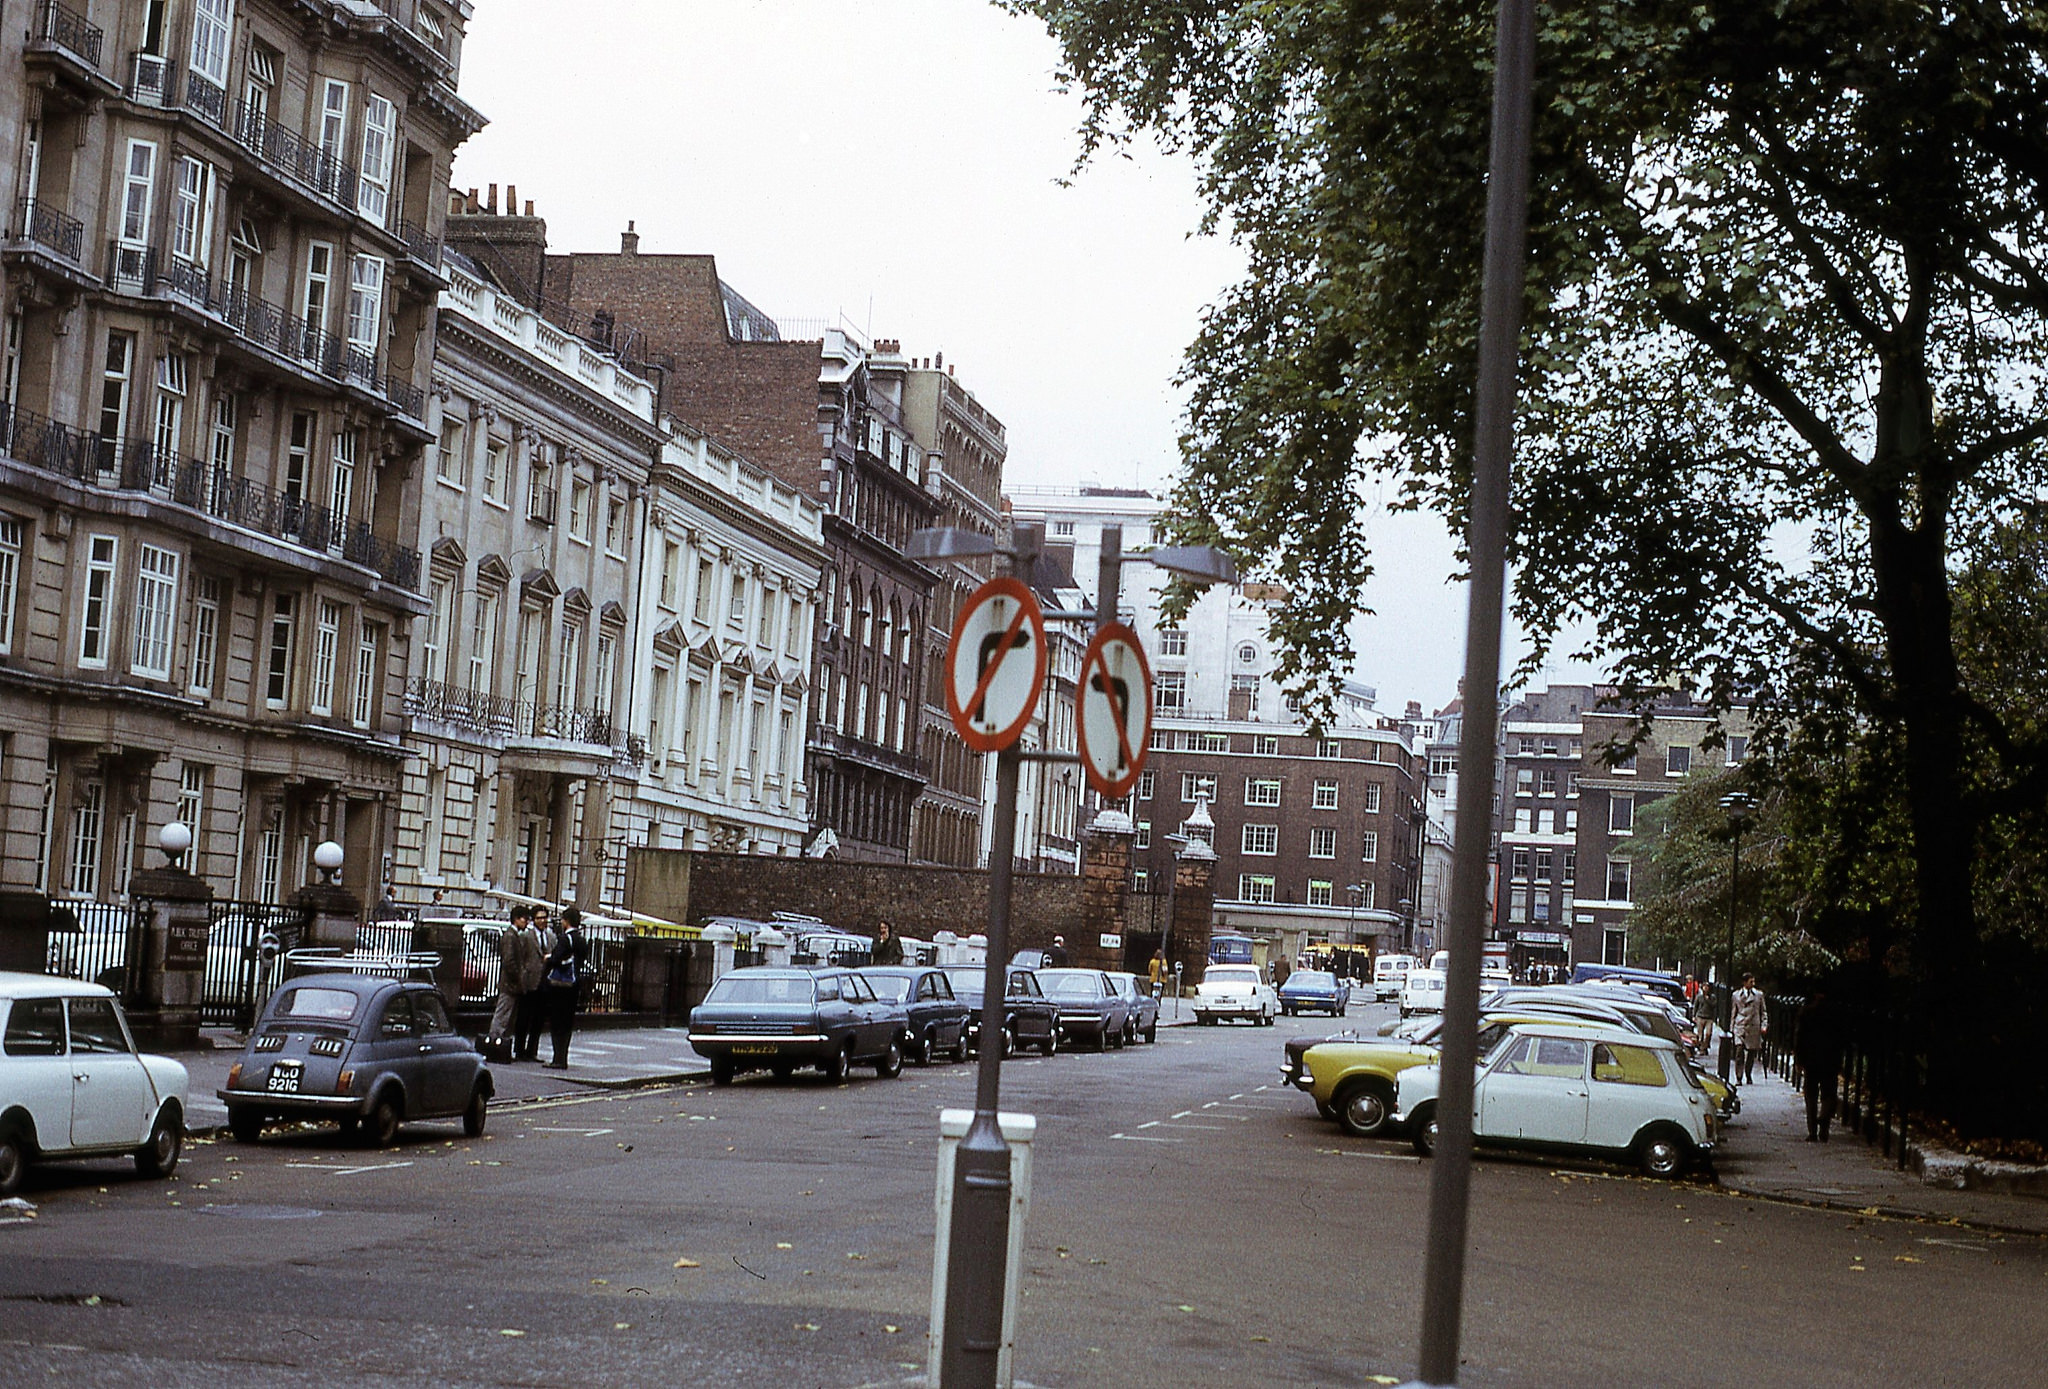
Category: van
[1389,973]
[1441,961]
[1423,992]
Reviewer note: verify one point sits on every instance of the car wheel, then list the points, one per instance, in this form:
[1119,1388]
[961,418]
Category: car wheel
[834,1066]
[890,1064]
[1130,1032]
[473,1116]
[1362,1108]
[1663,1153]
[1009,1048]
[382,1128]
[1152,1031]
[1423,1130]
[244,1123]
[781,1070]
[920,1051]
[721,1070]
[13,1159]
[1051,1045]
[1288,1009]
[159,1156]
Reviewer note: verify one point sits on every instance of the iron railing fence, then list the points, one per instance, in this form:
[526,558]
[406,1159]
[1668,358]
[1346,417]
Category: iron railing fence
[69,30]
[51,228]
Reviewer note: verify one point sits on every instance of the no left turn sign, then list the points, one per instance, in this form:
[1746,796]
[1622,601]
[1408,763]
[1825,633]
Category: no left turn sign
[1115,722]
[995,665]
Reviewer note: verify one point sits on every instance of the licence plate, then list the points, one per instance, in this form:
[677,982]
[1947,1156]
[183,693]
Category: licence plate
[768,1049]
[284,1078]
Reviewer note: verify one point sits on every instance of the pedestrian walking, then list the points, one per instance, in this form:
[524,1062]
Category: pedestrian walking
[888,949]
[1158,972]
[1057,956]
[1703,1021]
[561,983]
[531,951]
[1817,1046]
[498,1043]
[1748,1024]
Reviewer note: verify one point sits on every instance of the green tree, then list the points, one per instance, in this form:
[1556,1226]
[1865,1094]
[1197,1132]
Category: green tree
[1787,309]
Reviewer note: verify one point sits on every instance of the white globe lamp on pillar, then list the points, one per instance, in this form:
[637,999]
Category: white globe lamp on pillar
[174,839]
[327,858]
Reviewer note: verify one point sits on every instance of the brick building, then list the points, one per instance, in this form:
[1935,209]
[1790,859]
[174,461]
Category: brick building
[219,283]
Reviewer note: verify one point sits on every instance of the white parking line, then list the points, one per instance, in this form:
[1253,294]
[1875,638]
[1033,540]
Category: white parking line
[583,1133]
[1212,1128]
[1142,1138]
[348,1171]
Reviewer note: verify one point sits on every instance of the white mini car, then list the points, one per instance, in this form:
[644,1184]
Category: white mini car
[1570,1087]
[72,1084]
[1423,992]
[1235,991]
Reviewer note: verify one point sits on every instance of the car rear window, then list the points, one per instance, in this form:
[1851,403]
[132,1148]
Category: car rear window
[1312,979]
[1062,985]
[1241,974]
[318,1005]
[891,988]
[780,988]
[35,1027]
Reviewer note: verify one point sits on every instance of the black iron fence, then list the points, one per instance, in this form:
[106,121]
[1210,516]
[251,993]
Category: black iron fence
[491,713]
[68,29]
[105,947]
[297,159]
[51,228]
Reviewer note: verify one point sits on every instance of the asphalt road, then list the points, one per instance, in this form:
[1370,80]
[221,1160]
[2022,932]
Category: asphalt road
[1192,1222]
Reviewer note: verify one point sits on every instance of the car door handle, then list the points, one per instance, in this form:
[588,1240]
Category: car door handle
[81,1079]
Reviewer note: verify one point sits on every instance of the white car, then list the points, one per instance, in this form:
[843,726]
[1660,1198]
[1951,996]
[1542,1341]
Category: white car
[1423,992]
[1570,1087]
[72,1084]
[1235,991]
[1389,973]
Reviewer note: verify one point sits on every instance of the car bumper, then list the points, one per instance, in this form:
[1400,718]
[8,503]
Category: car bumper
[745,1046]
[1228,1007]
[286,1101]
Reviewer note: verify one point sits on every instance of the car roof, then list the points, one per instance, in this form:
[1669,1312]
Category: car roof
[898,971]
[784,971]
[22,985]
[363,984]
[1626,1035]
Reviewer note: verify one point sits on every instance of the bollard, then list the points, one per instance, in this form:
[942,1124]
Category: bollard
[1018,1131]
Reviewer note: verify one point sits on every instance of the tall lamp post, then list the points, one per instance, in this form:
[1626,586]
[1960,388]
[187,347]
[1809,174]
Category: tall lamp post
[1357,894]
[1737,805]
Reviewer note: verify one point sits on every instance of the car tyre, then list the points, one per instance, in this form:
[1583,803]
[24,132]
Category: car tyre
[1152,1031]
[474,1113]
[1130,1032]
[13,1158]
[245,1124]
[1362,1108]
[889,1064]
[920,1049]
[1051,1045]
[1422,1130]
[721,1070]
[1663,1152]
[158,1157]
[781,1070]
[381,1130]
[834,1066]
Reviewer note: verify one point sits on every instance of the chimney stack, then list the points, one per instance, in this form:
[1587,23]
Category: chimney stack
[529,207]
[629,241]
[492,206]
[511,200]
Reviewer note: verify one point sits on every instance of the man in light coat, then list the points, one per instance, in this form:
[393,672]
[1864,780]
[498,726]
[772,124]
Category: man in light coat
[510,987]
[1748,1025]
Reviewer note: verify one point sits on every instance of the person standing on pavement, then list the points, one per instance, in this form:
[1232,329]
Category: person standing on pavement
[1158,972]
[1057,956]
[1748,1024]
[498,1044]
[561,983]
[888,949]
[1817,1044]
[532,954]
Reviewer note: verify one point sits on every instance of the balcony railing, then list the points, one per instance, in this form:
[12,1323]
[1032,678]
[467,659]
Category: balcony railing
[37,221]
[205,100]
[298,160]
[56,448]
[418,245]
[68,30]
[152,80]
[489,713]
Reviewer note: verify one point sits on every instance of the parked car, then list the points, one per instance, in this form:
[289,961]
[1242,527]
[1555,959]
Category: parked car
[1030,1019]
[766,1018]
[1422,992]
[1090,1008]
[1143,1018]
[1315,991]
[72,1084]
[1389,973]
[1235,991]
[369,1052]
[1555,1087]
[938,1019]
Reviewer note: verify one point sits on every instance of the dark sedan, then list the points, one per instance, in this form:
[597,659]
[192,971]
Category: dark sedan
[1029,1017]
[371,1053]
[1315,991]
[778,1019]
[938,1019]
[1143,1004]
[1091,1010]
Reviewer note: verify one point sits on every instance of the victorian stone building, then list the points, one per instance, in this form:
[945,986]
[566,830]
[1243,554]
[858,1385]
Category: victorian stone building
[218,284]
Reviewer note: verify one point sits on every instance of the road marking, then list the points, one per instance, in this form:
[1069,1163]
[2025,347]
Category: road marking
[1212,1128]
[348,1171]
[1142,1138]
[1149,1124]
[1377,1157]
[583,1133]
[1182,1115]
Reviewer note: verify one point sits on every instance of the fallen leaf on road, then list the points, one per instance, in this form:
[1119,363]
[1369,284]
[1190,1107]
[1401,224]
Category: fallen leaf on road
[600,1282]
[1267,1339]
[784,1244]
[1904,1259]
[1185,1308]
[622,1326]
[1383,1379]
[1868,1210]
[856,1256]
[688,1263]
[890,1330]
[807,1326]
[508,1331]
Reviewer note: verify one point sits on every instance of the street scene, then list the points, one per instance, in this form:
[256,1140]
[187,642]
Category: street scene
[1049,692]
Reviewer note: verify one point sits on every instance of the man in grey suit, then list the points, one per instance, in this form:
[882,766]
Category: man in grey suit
[533,946]
[511,986]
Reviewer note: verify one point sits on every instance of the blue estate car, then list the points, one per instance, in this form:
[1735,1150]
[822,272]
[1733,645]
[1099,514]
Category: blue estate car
[369,1052]
[1091,1009]
[938,1019]
[1143,1003]
[1315,991]
[766,1018]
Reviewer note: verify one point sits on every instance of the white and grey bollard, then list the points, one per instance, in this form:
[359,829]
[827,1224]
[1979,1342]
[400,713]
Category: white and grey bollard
[1018,1131]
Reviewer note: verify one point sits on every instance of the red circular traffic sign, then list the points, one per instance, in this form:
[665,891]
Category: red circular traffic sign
[995,664]
[1114,721]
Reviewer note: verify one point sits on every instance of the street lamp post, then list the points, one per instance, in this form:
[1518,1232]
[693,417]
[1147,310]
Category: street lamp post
[1356,891]
[1737,804]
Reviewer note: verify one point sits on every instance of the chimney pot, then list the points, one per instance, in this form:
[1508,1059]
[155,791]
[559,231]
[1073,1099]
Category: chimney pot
[629,241]
[529,207]
[492,205]
[511,200]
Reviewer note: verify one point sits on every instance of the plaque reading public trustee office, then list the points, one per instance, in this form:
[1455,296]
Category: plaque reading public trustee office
[995,664]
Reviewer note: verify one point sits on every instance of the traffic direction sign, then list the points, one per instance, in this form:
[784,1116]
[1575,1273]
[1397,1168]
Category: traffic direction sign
[1115,723]
[995,664]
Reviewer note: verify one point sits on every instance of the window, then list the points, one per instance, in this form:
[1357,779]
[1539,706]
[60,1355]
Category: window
[1618,879]
[326,651]
[1267,745]
[1173,641]
[1617,1064]
[1369,847]
[1144,840]
[579,510]
[736,605]
[1525,781]
[1546,782]
[793,629]
[365,307]
[170,407]
[1263,840]
[1169,691]
[569,667]
[88,822]
[1518,904]
[298,459]
[1571,785]
[1247,654]
[1738,748]
[1325,795]
[341,487]
[451,458]
[192,211]
[1255,887]
[1197,786]
[1212,742]
[1322,841]
[205,636]
[192,797]
[10,579]
[1373,790]
[319,277]
[1624,766]
[1677,761]
[114,381]
[373,176]
[1063,530]
[1518,864]
[1262,791]
[1330,748]
[1571,820]
[10,370]
[211,20]
[333,122]
[1571,867]
[494,472]
[99,593]
[1522,821]
[1148,781]
[1546,863]
[156,609]
[1141,880]
[1621,813]
[138,194]
[256,91]
[1319,892]
[1549,747]
[222,454]
[284,619]
[363,708]
[614,526]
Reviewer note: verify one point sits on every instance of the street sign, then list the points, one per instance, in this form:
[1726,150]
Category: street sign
[1115,722]
[995,664]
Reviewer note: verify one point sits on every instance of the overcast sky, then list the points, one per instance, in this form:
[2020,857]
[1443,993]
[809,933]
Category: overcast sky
[899,163]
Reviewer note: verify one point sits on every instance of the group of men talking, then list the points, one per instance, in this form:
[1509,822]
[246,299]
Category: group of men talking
[540,971]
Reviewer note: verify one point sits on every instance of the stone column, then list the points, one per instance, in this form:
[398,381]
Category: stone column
[1105,878]
[720,939]
[176,911]
[1194,870]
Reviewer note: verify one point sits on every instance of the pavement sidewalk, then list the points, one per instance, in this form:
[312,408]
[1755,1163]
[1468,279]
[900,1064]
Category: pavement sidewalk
[599,1059]
[1765,1153]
